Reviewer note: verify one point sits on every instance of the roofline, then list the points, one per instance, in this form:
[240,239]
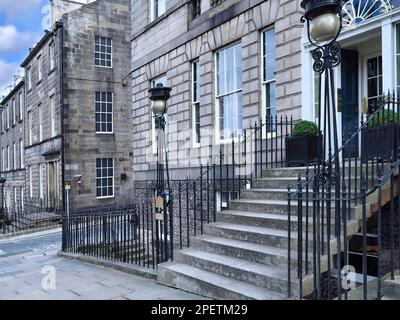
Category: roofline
[16,88]
[38,46]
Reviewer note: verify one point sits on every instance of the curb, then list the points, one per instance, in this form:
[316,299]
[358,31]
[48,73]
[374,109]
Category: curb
[143,272]
[19,235]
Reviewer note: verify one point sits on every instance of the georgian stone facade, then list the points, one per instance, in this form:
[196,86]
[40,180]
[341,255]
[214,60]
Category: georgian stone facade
[42,125]
[178,37]
[84,144]
[12,148]
[76,126]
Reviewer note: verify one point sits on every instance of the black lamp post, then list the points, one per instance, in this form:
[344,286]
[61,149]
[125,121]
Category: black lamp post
[324,23]
[159,96]
[2,182]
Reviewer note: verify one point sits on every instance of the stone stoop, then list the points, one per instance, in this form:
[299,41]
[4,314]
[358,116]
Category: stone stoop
[243,255]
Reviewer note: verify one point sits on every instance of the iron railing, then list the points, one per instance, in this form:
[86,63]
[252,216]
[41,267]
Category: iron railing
[129,234]
[32,214]
[191,205]
[330,221]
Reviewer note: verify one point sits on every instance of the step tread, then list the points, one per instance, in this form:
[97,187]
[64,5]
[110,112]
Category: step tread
[230,284]
[240,244]
[254,229]
[261,201]
[245,265]
[262,215]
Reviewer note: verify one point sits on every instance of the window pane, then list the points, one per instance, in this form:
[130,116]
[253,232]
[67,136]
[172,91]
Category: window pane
[372,67]
[229,73]
[230,109]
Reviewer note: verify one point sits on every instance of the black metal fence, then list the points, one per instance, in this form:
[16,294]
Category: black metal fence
[136,234]
[130,234]
[340,213]
[32,214]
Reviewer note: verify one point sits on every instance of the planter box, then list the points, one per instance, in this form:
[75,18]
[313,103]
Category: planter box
[379,142]
[303,150]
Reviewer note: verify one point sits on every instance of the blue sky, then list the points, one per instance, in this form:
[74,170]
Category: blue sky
[21,25]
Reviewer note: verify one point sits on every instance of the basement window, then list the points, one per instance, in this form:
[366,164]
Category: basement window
[223,198]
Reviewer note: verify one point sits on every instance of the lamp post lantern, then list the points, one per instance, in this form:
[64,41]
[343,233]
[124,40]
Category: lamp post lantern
[159,96]
[324,24]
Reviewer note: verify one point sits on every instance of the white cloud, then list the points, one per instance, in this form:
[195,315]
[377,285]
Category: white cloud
[7,72]
[13,41]
[13,8]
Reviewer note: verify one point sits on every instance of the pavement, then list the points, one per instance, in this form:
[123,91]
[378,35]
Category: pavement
[31,270]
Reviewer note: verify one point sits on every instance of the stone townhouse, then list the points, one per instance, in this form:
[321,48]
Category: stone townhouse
[12,153]
[229,63]
[96,103]
[42,126]
[77,127]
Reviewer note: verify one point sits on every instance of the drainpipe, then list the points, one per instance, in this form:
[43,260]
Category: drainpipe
[60,27]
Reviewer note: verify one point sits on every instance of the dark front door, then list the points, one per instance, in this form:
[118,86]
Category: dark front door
[350,100]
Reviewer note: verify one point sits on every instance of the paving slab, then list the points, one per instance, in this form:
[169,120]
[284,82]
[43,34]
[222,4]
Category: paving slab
[21,279]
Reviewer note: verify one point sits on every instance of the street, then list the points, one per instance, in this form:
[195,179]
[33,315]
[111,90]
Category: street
[31,270]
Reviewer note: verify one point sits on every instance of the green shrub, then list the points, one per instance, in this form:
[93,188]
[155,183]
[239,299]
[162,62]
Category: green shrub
[384,117]
[304,127]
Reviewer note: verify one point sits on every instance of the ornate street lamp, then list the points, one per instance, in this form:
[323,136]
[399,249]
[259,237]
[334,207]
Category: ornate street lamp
[324,23]
[159,96]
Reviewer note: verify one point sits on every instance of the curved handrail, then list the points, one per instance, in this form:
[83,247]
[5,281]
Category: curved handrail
[319,172]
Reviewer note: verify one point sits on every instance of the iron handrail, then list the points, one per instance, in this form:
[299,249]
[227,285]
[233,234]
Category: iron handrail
[383,102]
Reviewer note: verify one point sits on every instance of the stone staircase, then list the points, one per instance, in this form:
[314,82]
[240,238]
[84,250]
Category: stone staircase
[243,255]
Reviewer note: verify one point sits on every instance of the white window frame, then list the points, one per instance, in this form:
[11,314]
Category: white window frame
[105,53]
[39,68]
[154,14]
[153,125]
[106,177]
[30,180]
[53,116]
[42,170]
[8,116]
[40,119]
[21,154]
[365,78]
[8,157]
[106,113]
[30,128]
[15,199]
[3,160]
[265,83]
[21,105]
[22,198]
[14,156]
[217,96]
[13,112]
[29,76]
[52,56]
[195,104]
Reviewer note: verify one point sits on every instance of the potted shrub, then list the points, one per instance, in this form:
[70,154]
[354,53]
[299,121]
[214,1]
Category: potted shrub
[380,138]
[305,144]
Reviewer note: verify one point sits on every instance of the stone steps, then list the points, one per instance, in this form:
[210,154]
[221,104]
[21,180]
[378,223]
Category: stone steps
[269,277]
[273,194]
[302,171]
[244,254]
[284,182]
[245,250]
[261,235]
[210,284]
[257,219]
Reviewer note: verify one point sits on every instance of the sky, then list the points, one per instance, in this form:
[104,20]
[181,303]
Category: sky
[21,26]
